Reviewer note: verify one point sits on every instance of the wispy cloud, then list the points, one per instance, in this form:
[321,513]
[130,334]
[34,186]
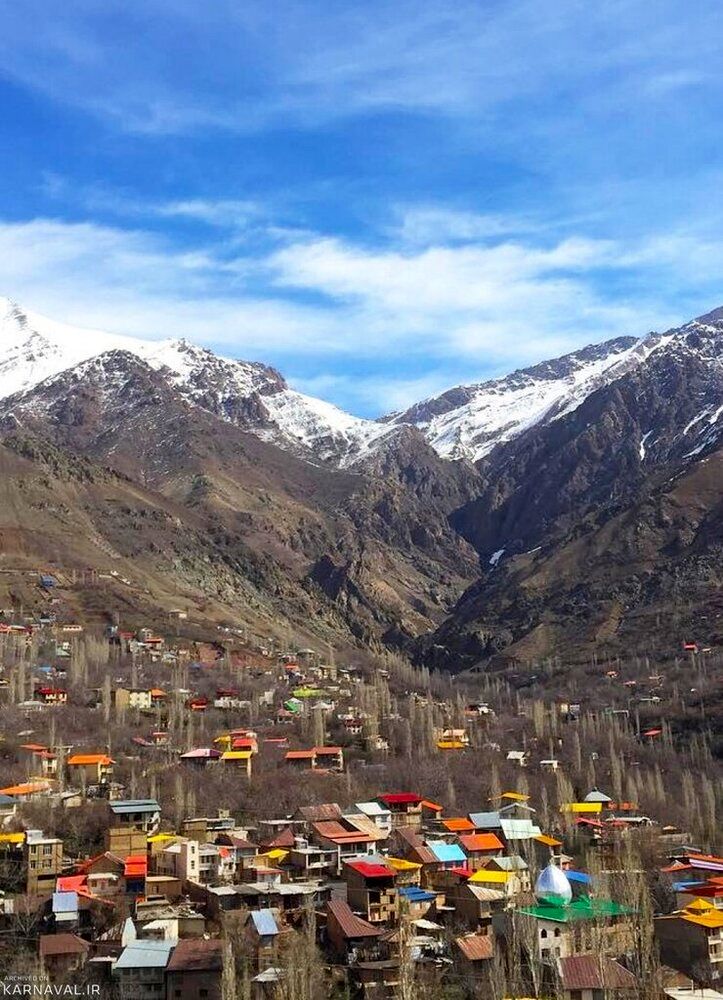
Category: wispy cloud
[373,328]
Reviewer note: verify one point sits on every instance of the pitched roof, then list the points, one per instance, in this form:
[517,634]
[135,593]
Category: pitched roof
[595,972]
[134,805]
[193,954]
[400,799]
[146,954]
[481,842]
[476,947]
[486,820]
[447,852]
[321,812]
[62,944]
[458,824]
[334,831]
[370,870]
[265,923]
[351,925]
[79,759]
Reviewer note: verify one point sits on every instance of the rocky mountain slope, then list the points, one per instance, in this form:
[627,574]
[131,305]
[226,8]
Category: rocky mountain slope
[606,522]
[360,554]
[591,510]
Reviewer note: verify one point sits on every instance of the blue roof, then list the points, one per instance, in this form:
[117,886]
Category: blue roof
[65,902]
[446,852]
[414,894]
[7,800]
[578,877]
[134,805]
[264,922]
[146,954]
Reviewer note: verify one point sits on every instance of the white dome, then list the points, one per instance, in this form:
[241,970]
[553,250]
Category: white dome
[552,886]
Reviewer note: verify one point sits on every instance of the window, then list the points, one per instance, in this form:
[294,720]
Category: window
[557,932]
[543,933]
[203,993]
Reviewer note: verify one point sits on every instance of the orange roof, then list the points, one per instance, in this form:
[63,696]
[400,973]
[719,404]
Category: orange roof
[481,842]
[299,755]
[458,824]
[35,747]
[28,788]
[157,693]
[548,841]
[79,759]
[434,806]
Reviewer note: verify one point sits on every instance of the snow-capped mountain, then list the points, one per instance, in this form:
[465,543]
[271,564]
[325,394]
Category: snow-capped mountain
[469,421]
[251,395]
[465,422]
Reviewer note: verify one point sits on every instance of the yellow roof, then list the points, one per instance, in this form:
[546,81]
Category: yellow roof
[496,878]
[235,755]
[582,807]
[275,854]
[402,865]
[712,919]
[157,838]
[226,738]
[12,838]
[450,745]
[700,904]
[515,796]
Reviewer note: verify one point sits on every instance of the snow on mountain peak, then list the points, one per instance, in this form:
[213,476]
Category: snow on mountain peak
[467,421]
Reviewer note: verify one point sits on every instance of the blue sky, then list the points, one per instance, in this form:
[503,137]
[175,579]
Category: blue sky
[381,199]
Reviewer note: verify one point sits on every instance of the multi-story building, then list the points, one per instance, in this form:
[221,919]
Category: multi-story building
[371,891]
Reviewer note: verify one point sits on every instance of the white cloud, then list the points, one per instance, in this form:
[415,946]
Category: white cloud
[396,323]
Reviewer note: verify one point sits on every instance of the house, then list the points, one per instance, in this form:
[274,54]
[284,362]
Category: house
[595,977]
[133,698]
[62,954]
[195,970]
[348,840]
[200,756]
[472,954]
[43,857]
[447,855]
[378,814]
[480,847]
[329,758]
[141,969]
[301,759]
[90,768]
[405,808]
[51,695]
[474,904]
[350,936]
[263,931]
[691,941]
[136,814]
[371,890]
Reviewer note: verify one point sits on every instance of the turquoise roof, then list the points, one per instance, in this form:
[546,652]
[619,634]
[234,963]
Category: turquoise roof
[584,908]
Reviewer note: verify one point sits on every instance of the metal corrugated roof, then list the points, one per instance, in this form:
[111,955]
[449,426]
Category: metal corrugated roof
[447,852]
[146,954]
[65,902]
[486,820]
[264,922]
[351,925]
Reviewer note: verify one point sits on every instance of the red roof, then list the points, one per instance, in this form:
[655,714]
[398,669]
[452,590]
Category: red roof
[400,799]
[334,831]
[136,865]
[370,870]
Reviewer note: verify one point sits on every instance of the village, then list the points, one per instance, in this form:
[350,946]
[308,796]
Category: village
[220,815]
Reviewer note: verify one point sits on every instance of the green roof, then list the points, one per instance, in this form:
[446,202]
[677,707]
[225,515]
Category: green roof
[584,908]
